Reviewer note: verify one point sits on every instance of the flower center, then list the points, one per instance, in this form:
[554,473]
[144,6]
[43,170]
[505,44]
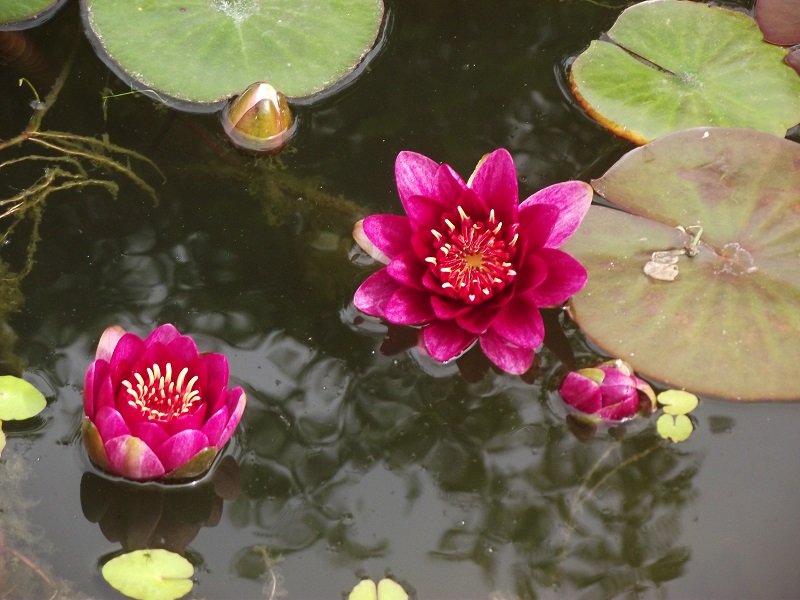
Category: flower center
[158,397]
[473,259]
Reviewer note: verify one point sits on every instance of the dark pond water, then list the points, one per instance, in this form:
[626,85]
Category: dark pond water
[351,462]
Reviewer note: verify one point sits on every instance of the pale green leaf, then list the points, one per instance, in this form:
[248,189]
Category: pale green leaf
[387,589]
[364,590]
[150,574]
[20,14]
[669,65]
[675,428]
[19,400]
[677,402]
[2,438]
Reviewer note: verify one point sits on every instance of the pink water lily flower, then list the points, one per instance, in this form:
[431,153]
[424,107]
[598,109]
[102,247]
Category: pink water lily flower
[157,408]
[608,392]
[469,261]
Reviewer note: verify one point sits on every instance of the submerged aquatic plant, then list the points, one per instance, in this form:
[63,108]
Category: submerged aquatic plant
[157,408]
[608,392]
[469,262]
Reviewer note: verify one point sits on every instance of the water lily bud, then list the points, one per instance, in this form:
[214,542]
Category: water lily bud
[608,392]
[259,119]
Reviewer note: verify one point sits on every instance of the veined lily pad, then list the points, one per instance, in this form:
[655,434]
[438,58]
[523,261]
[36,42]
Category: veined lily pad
[675,64]
[22,14]
[729,324]
[204,51]
[779,20]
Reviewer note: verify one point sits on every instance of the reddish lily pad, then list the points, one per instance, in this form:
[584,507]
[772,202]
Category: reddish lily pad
[779,20]
[728,324]
[671,65]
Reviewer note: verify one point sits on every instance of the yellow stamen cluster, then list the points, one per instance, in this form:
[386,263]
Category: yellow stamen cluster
[158,397]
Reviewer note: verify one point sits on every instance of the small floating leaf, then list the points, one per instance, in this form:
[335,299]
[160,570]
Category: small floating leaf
[19,400]
[205,52]
[727,325]
[2,438]
[673,64]
[675,428]
[387,589]
[150,574]
[677,402]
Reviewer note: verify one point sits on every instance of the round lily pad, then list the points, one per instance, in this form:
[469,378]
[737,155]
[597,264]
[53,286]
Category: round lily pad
[676,428]
[22,14]
[728,324]
[204,52]
[19,400]
[672,64]
[150,574]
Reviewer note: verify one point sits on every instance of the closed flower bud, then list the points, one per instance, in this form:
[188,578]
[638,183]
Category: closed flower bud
[259,119]
[607,392]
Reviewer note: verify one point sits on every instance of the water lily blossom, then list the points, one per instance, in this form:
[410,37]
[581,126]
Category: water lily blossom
[469,261]
[157,408]
[607,392]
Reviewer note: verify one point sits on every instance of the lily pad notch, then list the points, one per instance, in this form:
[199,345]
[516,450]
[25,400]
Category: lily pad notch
[194,56]
[670,65]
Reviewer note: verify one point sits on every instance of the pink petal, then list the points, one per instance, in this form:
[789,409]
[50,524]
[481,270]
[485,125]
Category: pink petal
[391,234]
[108,341]
[448,308]
[581,393]
[373,295]
[164,334]
[520,323]
[445,340]
[495,181]
[416,176]
[97,390]
[572,200]
[423,213]
[620,403]
[408,270]
[449,185]
[127,351]
[536,222]
[150,433]
[217,373]
[409,307]
[110,424]
[181,448]
[479,318]
[191,420]
[565,277]
[182,350]
[132,458]
[509,357]
[235,403]
[532,273]
[214,427]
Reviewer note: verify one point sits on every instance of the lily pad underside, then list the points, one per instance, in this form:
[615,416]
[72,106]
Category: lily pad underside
[729,324]
[669,65]
[195,54]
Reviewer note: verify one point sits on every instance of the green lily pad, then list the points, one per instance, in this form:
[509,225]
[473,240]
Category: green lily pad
[676,428]
[677,402]
[205,52]
[728,324]
[22,14]
[19,400]
[150,574]
[674,64]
